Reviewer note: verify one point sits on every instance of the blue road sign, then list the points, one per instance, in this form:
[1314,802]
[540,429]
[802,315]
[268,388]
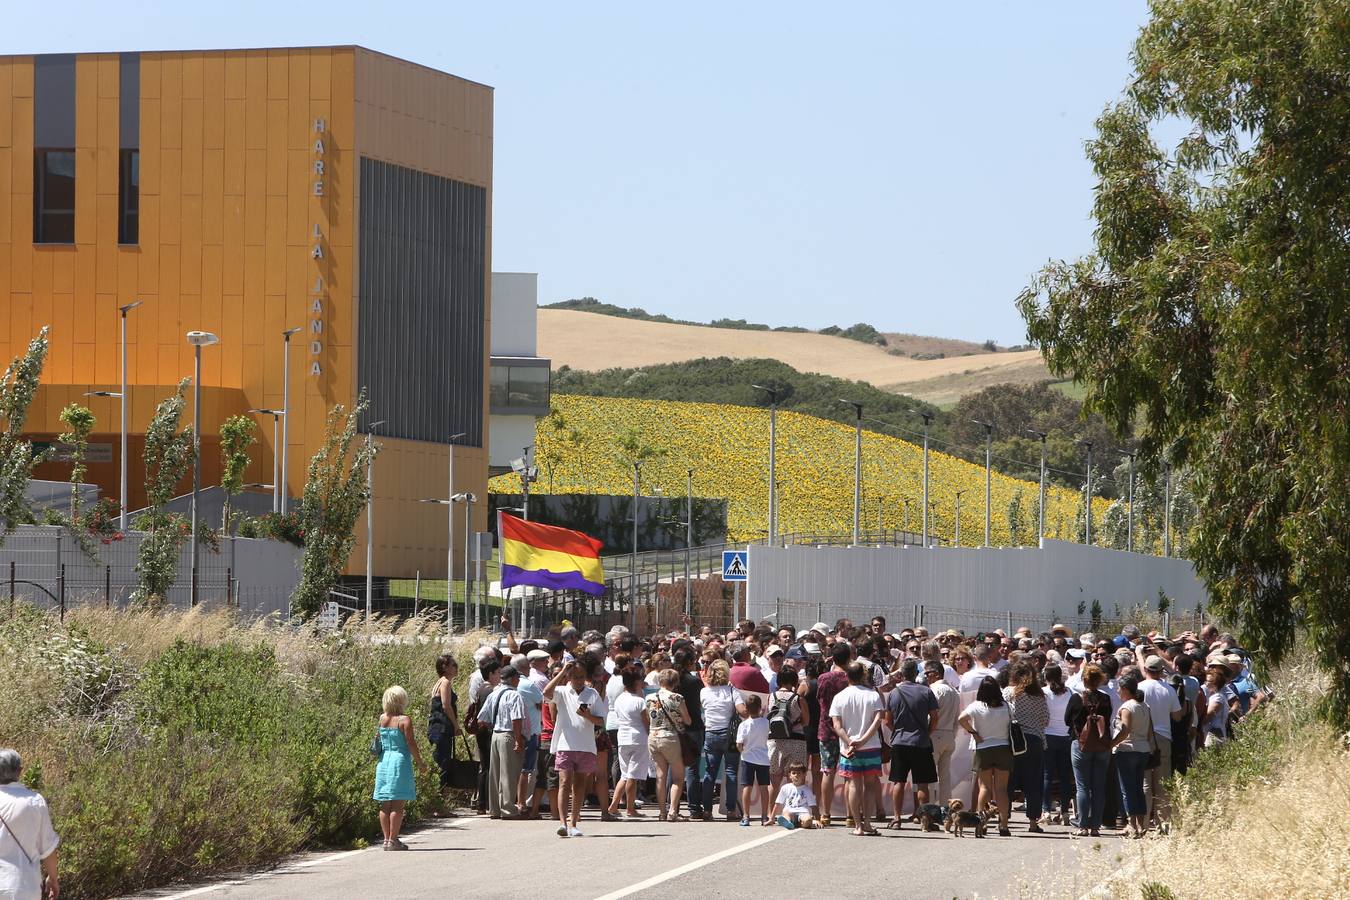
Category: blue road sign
[735,565]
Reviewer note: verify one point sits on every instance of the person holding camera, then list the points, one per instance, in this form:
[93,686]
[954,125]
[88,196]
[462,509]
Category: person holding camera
[573,737]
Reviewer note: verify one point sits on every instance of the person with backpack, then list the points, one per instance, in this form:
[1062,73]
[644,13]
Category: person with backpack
[1088,716]
[787,724]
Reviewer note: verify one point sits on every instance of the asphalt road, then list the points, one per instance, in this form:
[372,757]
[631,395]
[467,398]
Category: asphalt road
[477,857]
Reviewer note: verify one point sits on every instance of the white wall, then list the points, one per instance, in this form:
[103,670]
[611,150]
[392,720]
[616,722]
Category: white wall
[509,435]
[515,301]
[961,587]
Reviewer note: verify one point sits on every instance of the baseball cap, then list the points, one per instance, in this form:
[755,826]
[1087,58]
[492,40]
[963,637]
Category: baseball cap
[811,647]
[536,654]
[1075,653]
[1155,664]
[774,650]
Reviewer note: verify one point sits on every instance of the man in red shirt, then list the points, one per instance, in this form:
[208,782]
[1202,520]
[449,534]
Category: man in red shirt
[747,678]
[827,686]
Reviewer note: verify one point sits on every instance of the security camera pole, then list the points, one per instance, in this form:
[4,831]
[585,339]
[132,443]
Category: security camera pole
[1087,498]
[857,467]
[773,457]
[988,461]
[927,420]
[1041,525]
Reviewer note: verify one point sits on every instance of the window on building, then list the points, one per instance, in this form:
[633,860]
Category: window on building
[54,149]
[519,386]
[129,198]
[129,162]
[54,196]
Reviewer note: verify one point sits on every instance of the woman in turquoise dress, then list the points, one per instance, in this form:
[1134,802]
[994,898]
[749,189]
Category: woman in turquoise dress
[395,784]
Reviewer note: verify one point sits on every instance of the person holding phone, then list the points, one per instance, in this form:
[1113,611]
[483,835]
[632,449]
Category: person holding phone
[573,737]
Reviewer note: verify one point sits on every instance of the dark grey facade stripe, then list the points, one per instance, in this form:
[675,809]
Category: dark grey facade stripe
[421,303]
[129,101]
[54,101]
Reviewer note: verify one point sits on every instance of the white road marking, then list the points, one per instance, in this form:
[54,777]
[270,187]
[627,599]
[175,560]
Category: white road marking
[696,864]
[283,870]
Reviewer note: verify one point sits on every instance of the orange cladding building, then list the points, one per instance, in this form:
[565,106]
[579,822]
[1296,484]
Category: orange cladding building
[246,193]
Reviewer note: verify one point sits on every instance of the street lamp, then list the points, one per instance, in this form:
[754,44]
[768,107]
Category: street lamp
[450,544]
[927,420]
[857,467]
[957,542]
[285,413]
[370,513]
[632,562]
[276,414]
[773,458]
[122,525]
[1167,508]
[988,458]
[1087,497]
[198,340]
[1129,515]
[1041,524]
[689,540]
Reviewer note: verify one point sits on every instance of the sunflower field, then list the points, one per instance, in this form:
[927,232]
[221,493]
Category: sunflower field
[587,444]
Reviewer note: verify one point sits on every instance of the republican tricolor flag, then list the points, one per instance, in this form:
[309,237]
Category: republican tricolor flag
[549,557]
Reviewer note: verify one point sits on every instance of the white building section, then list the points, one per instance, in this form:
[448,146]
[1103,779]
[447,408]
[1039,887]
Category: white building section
[518,391]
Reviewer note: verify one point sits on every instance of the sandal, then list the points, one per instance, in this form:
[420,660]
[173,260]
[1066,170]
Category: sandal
[893,825]
[824,821]
[679,818]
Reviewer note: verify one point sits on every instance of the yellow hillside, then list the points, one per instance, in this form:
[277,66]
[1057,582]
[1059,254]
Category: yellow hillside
[727,447]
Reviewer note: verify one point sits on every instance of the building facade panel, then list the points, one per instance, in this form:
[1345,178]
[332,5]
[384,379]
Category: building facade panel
[246,223]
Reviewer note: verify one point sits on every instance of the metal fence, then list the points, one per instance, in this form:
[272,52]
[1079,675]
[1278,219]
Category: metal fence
[45,565]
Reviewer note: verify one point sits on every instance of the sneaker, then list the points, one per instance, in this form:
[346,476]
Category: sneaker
[786,822]
[574,832]
[562,831]
[396,844]
[608,816]
[745,823]
[1035,828]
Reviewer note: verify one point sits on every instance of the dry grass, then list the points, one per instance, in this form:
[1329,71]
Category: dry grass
[589,341]
[1265,819]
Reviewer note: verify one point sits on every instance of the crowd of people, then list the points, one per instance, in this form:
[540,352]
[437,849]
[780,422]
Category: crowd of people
[764,723]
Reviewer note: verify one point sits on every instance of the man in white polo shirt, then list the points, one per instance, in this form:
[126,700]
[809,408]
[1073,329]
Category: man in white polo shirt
[1164,708]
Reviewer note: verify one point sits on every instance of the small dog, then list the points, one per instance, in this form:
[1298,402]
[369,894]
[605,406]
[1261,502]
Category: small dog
[931,816]
[958,820]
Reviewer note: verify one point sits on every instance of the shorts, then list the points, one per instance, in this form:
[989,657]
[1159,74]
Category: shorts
[917,760]
[783,753]
[829,755]
[635,763]
[812,744]
[665,747]
[753,773]
[531,754]
[579,761]
[545,774]
[861,764]
[1000,757]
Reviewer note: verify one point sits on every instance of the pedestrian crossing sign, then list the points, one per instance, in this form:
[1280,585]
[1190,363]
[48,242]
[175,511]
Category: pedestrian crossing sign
[735,565]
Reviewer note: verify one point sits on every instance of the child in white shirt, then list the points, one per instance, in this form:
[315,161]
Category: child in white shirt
[796,803]
[752,739]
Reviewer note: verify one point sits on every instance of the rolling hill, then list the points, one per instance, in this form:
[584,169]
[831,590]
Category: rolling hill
[590,342]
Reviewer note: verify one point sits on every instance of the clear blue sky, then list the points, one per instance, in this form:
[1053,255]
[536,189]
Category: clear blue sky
[903,164]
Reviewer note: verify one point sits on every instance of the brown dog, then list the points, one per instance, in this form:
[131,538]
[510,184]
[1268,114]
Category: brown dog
[958,820]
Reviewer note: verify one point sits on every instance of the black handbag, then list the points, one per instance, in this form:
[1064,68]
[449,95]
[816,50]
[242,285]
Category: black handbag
[1017,739]
[461,774]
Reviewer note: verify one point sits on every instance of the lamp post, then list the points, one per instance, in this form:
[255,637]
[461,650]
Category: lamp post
[370,514]
[1167,508]
[122,523]
[198,340]
[927,420]
[773,458]
[1087,497]
[857,467]
[1040,533]
[468,499]
[276,414]
[632,560]
[957,542]
[688,540]
[1129,514]
[988,461]
[450,543]
[285,413]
